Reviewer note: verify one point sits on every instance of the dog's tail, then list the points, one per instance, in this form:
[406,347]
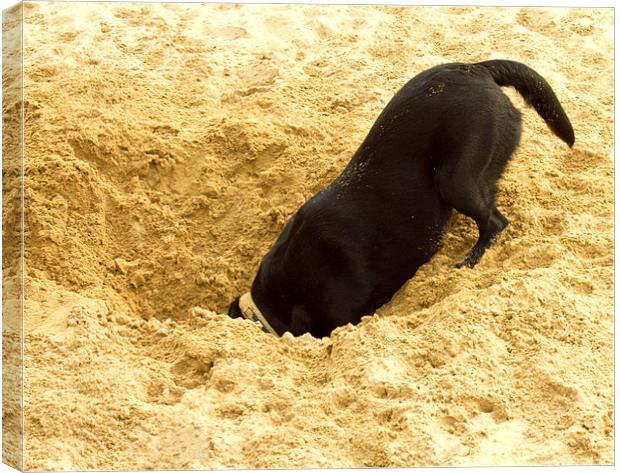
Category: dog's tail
[536,92]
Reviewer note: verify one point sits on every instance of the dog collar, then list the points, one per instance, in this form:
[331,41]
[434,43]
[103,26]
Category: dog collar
[251,312]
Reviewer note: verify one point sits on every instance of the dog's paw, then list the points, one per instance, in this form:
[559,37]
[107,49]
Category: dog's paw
[466,263]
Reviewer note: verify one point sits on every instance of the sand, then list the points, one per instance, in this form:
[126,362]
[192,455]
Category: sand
[166,145]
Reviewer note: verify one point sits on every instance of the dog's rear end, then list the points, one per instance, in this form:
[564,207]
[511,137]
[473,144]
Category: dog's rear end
[536,92]
[477,142]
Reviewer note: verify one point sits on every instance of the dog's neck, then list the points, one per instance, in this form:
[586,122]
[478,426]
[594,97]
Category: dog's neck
[250,311]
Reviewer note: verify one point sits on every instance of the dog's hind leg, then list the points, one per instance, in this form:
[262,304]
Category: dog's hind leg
[488,232]
[467,182]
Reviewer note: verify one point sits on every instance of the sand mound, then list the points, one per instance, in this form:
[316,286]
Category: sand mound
[167,144]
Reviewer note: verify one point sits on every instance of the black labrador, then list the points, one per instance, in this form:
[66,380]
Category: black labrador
[440,144]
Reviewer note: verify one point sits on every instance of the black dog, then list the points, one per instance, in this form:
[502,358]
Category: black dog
[440,144]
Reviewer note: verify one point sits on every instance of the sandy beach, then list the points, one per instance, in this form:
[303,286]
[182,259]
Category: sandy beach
[165,147]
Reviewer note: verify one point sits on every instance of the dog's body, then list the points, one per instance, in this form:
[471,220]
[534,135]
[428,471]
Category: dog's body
[440,144]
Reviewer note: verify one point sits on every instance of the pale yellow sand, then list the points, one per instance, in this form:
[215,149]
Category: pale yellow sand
[166,145]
